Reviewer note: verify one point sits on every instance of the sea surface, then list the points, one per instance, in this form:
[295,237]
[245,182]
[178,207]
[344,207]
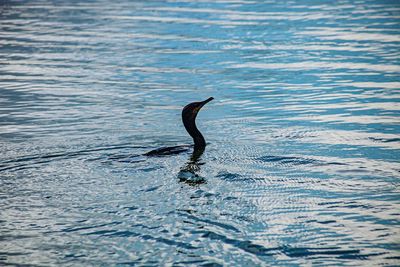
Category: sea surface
[302,165]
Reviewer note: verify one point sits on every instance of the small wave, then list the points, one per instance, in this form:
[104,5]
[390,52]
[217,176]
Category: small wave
[291,160]
[32,161]
[290,251]
[210,222]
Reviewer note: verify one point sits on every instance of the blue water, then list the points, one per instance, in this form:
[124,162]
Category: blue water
[302,164]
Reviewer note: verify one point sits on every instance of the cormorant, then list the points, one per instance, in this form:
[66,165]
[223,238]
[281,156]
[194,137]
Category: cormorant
[189,114]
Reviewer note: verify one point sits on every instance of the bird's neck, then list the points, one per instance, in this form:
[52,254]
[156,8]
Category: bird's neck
[198,139]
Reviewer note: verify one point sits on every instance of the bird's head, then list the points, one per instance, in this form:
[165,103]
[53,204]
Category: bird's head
[190,111]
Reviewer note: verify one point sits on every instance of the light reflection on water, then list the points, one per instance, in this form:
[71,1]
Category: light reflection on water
[302,163]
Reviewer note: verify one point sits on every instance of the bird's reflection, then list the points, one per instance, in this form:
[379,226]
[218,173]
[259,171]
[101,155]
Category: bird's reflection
[189,172]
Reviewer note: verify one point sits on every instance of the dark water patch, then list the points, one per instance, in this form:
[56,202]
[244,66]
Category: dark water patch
[10,263]
[212,264]
[149,169]
[283,160]
[133,263]
[244,245]
[230,198]
[202,263]
[385,140]
[74,256]
[131,208]
[238,178]
[322,222]
[88,227]
[123,233]
[146,226]
[293,161]
[309,252]
[196,219]
[393,258]
[293,252]
[229,176]
[3,255]
[347,204]
[9,237]
[102,232]
[130,233]
[169,242]
[327,222]
[150,189]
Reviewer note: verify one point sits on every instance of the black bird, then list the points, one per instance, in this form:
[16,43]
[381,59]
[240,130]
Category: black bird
[189,114]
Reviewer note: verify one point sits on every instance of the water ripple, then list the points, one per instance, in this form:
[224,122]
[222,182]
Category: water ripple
[301,166]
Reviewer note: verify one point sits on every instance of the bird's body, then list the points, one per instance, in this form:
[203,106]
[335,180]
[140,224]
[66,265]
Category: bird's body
[165,151]
[189,114]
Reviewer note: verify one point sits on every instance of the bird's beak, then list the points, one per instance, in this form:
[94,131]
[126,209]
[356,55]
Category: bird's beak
[201,104]
[206,101]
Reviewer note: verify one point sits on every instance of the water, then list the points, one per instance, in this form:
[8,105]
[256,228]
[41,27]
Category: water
[302,165]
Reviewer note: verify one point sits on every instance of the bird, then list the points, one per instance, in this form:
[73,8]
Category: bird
[189,114]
